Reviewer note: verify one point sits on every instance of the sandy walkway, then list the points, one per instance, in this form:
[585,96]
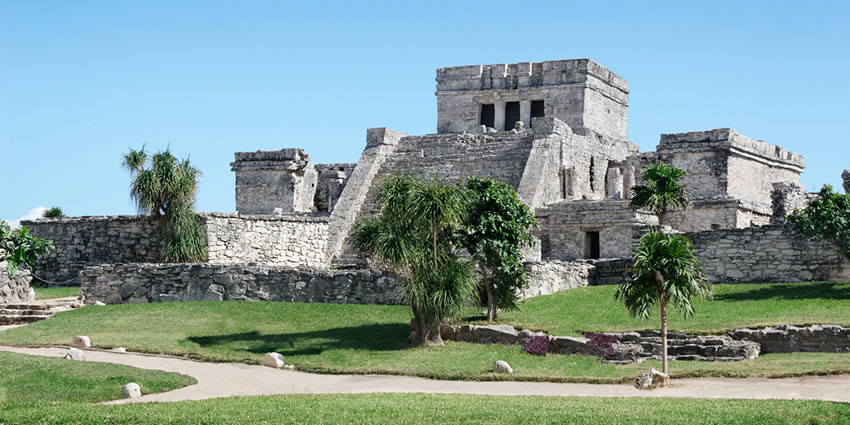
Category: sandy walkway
[233,379]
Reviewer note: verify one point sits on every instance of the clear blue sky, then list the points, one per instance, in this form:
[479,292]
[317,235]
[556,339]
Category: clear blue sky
[82,81]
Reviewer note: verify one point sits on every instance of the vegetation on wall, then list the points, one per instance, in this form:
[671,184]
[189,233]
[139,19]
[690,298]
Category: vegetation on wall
[20,249]
[165,187]
[53,212]
[495,232]
[826,218]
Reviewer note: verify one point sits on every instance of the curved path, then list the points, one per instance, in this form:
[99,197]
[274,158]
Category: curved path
[234,379]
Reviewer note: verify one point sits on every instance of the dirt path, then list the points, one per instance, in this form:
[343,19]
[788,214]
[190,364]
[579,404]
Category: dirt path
[233,379]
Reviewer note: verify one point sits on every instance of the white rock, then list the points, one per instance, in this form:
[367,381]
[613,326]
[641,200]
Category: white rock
[99,303]
[81,341]
[132,390]
[75,354]
[120,350]
[652,379]
[274,360]
[502,366]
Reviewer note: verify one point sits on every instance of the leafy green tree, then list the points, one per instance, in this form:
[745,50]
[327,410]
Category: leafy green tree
[662,188]
[413,237]
[53,212]
[495,232]
[826,218]
[164,186]
[20,249]
[664,270]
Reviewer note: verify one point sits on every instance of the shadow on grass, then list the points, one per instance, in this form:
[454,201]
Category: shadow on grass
[377,337]
[792,291]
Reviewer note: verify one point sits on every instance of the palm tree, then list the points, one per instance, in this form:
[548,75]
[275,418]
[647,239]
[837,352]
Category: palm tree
[167,190]
[412,236]
[664,270]
[662,188]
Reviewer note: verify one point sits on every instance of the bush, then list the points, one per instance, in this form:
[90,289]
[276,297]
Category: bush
[538,345]
[19,248]
[600,345]
[53,212]
[826,218]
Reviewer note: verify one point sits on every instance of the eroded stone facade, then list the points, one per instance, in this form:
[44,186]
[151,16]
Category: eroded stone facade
[15,289]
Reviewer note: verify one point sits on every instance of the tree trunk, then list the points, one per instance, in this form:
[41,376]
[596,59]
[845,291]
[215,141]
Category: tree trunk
[664,333]
[424,333]
[491,296]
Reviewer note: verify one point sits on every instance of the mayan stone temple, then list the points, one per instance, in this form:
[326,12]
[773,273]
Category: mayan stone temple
[554,130]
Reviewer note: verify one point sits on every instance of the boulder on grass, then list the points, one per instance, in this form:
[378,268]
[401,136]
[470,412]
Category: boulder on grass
[502,366]
[81,341]
[132,390]
[75,354]
[274,360]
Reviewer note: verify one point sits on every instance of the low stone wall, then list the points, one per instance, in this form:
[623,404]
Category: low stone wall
[506,334]
[767,254]
[15,289]
[548,277]
[794,339]
[86,241]
[288,240]
[142,283]
[634,347]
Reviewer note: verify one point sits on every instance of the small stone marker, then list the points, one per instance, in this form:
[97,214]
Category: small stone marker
[81,341]
[99,303]
[502,366]
[75,354]
[652,379]
[274,360]
[120,350]
[132,390]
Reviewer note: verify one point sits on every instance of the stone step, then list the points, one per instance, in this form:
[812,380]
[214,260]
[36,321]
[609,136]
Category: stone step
[26,306]
[12,312]
[11,319]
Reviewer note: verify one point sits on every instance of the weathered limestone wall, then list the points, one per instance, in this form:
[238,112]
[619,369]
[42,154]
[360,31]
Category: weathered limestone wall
[288,240]
[767,254]
[580,92]
[86,241]
[548,277]
[15,289]
[795,339]
[565,228]
[787,198]
[142,283]
[716,213]
[266,180]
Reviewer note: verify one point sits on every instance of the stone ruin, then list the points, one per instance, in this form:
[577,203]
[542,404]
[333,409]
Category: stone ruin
[555,131]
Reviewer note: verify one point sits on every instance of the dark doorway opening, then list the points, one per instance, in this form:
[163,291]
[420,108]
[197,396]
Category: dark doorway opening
[537,110]
[591,245]
[488,115]
[511,115]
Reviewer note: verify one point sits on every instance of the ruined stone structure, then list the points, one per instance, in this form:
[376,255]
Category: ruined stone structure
[555,131]
[15,289]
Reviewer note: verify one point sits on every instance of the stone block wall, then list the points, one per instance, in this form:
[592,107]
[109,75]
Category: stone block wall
[86,241]
[15,289]
[143,283]
[288,240]
[548,277]
[767,254]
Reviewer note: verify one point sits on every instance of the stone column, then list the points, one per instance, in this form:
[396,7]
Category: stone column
[628,181]
[614,183]
[846,177]
[499,119]
[525,112]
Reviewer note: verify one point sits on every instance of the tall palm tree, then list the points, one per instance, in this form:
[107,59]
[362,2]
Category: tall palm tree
[165,187]
[662,188]
[664,270]
[413,237]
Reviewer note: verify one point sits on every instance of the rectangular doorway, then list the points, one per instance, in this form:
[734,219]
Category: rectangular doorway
[511,115]
[488,115]
[591,245]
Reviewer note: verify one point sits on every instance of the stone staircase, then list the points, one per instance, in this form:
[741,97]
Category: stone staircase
[25,313]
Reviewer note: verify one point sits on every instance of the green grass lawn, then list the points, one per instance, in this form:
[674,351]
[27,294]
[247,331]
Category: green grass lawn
[30,381]
[43,293]
[734,306]
[442,409]
[333,338]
